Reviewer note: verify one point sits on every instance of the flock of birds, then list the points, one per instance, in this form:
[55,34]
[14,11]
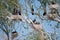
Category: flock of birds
[16,14]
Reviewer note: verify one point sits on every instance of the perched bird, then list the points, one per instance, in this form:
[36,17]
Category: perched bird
[44,13]
[14,34]
[34,21]
[19,12]
[32,9]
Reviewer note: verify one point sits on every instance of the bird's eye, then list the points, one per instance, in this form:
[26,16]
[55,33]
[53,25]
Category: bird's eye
[32,9]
